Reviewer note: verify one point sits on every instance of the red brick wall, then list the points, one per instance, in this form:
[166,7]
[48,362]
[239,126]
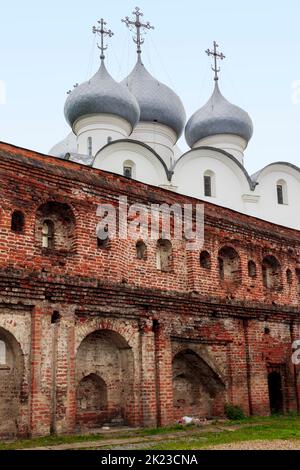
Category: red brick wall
[240,331]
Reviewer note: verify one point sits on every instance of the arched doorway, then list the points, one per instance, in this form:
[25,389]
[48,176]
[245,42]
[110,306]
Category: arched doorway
[197,390]
[11,376]
[104,377]
[275,392]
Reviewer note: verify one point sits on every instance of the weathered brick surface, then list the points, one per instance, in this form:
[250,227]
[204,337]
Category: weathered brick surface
[97,336]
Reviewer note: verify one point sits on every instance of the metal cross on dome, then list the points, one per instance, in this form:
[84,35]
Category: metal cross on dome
[137,25]
[102,32]
[217,55]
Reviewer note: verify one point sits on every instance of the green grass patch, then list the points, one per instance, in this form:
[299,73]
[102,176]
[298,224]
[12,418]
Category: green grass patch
[255,428]
[273,428]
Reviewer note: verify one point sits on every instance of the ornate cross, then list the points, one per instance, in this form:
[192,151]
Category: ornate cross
[217,55]
[102,32]
[137,25]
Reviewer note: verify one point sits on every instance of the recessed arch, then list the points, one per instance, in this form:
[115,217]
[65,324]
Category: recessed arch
[271,271]
[229,265]
[104,387]
[198,390]
[164,255]
[17,221]
[11,379]
[205,260]
[55,227]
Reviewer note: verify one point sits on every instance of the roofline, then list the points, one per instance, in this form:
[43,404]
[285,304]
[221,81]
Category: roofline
[251,182]
[169,173]
[256,175]
[290,233]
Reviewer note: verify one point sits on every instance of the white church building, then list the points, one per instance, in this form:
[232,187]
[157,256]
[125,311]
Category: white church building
[132,129]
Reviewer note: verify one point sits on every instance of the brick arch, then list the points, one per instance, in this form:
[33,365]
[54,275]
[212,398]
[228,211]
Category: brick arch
[11,384]
[197,389]
[105,354]
[229,262]
[126,331]
[60,216]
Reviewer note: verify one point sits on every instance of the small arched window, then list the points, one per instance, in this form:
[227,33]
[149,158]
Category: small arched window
[271,271]
[289,277]
[103,238]
[282,193]
[164,255]
[141,250]
[251,269]
[205,261]
[129,168]
[17,222]
[209,184]
[229,265]
[90,146]
[48,234]
[2,353]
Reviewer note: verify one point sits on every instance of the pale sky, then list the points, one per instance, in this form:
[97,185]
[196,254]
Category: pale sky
[46,47]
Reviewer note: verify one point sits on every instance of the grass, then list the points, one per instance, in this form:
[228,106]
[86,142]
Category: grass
[72,439]
[268,428]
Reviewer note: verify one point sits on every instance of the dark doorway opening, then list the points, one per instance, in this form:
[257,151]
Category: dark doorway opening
[275,392]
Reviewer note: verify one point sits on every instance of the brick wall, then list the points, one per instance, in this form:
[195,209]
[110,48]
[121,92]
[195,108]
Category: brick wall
[96,335]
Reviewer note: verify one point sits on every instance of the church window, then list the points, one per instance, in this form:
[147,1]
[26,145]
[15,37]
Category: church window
[48,234]
[129,169]
[17,222]
[209,184]
[164,255]
[282,192]
[90,146]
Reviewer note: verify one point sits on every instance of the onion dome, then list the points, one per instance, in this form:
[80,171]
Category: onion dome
[68,145]
[101,95]
[218,116]
[157,102]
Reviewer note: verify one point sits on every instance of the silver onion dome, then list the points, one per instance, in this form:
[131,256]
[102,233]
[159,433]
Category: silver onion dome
[68,145]
[218,116]
[101,95]
[157,102]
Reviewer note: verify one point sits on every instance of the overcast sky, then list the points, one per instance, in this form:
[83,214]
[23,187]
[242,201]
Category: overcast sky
[46,47]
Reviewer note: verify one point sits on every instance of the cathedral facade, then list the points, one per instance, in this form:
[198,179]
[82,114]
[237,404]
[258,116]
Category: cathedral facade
[142,332]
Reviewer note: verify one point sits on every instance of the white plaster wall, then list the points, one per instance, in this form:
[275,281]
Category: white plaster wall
[231,182]
[230,143]
[100,127]
[148,168]
[268,208]
[159,137]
